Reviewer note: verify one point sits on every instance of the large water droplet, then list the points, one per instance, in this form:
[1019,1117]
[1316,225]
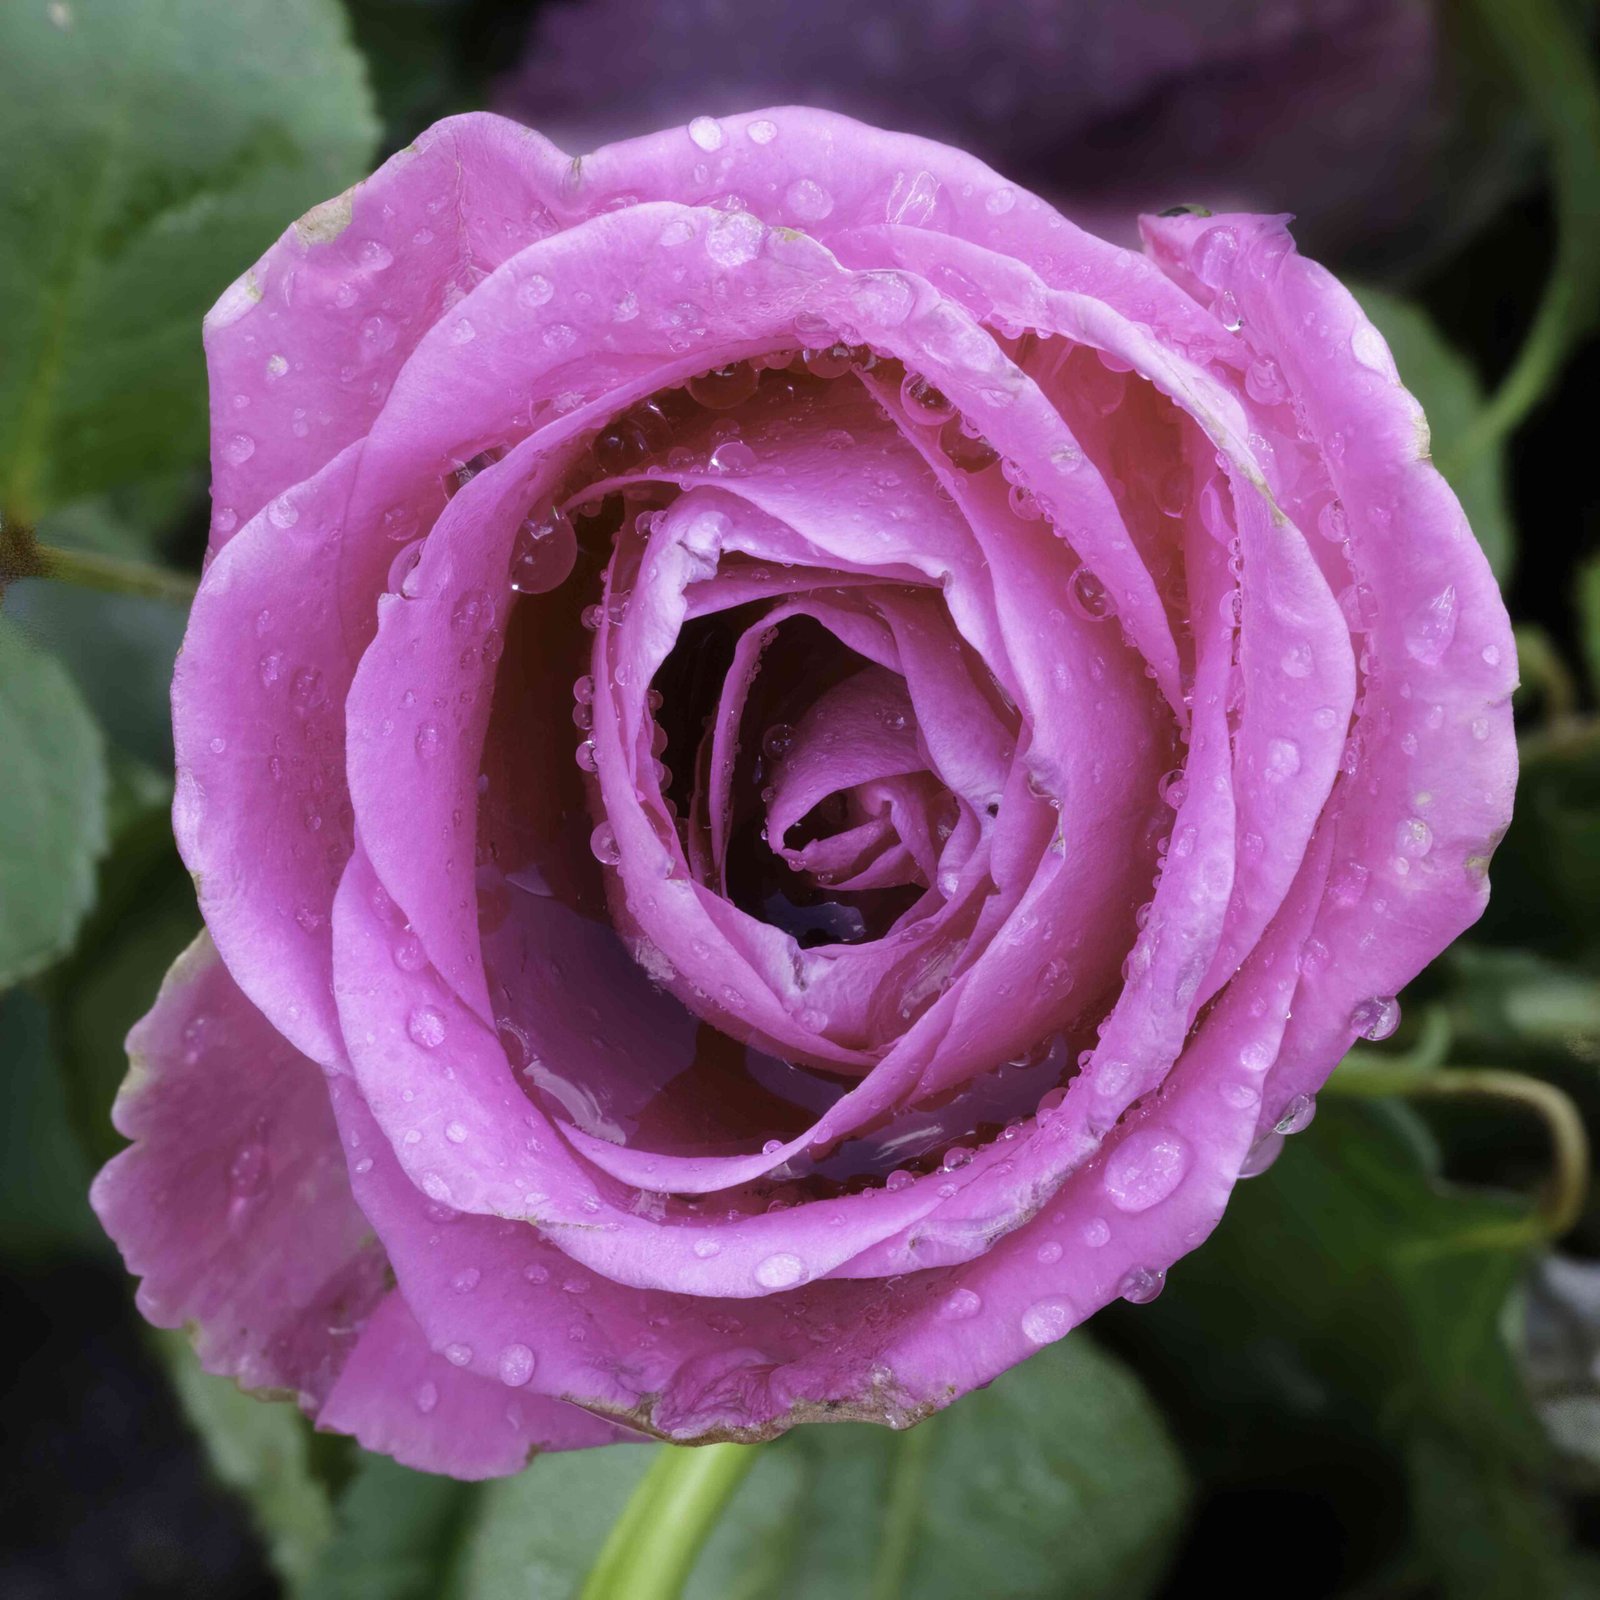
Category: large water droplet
[1430,629]
[426,1027]
[780,1271]
[515,1365]
[1376,1018]
[1045,1321]
[1145,1168]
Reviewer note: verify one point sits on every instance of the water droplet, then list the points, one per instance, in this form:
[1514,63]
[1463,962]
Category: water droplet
[515,1365]
[966,451]
[543,554]
[1089,597]
[1430,629]
[735,238]
[1376,1018]
[1283,760]
[427,740]
[1140,1286]
[427,1397]
[458,1355]
[1045,1321]
[780,1271]
[426,1027]
[808,200]
[1173,787]
[1263,382]
[535,292]
[725,387]
[707,133]
[923,402]
[1297,1115]
[1413,837]
[733,458]
[705,1249]
[456,1132]
[960,1304]
[238,449]
[1096,1233]
[1145,1168]
[603,842]
[1049,1252]
[762,131]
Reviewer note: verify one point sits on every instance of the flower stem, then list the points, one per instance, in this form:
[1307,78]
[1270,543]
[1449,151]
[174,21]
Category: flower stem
[909,1468]
[1550,59]
[22,556]
[652,1546]
[1561,1201]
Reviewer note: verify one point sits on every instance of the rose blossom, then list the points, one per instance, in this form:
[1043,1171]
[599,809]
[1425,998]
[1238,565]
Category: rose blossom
[792,764]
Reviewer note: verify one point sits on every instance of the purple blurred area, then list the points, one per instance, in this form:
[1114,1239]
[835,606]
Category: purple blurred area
[1363,117]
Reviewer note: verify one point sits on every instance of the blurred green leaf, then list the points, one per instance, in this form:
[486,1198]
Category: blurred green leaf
[152,152]
[144,916]
[52,807]
[1545,51]
[1352,1308]
[1443,381]
[44,1180]
[1058,1479]
[120,651]
[399,1535]
[260,1449]
[1588,600]
[1547,870]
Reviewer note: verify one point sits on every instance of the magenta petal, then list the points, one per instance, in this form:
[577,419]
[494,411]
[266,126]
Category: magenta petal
[402,1399]
[232,1203]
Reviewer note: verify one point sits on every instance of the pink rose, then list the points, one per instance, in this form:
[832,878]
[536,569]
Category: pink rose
[1033,705]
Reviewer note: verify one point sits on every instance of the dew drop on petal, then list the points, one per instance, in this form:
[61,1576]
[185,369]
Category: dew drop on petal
[426,1027]
[1045,1321]
[1376,1018]
[960,1304]
[515,1365]
[1144,1169]
[780,1271]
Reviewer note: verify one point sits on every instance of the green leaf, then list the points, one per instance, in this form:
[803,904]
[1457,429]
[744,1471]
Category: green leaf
[120,651]
[399,1535]
[52,807]
[260,1450]
[1547,870]
[538,1533]
[44,1181]
[1443,381]
[144,916]
[1058,1479]
[1346,1327]
[1588,599]
[152,152]
[1549,57]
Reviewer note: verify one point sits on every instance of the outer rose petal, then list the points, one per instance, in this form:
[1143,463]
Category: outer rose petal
[398,1397]
[233,1202]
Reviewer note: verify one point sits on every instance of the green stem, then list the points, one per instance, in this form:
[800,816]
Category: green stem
[1563,1196]
[903,1512]
[652,1546]
[1550,60]
[111,573]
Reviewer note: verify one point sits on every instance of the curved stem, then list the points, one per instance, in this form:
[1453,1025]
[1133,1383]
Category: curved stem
[1550,59]
[910,1467]
[90,570]
[652,1546]
[1562,1200]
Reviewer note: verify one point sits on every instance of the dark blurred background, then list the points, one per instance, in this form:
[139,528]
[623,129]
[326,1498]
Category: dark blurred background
[1349,1430]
